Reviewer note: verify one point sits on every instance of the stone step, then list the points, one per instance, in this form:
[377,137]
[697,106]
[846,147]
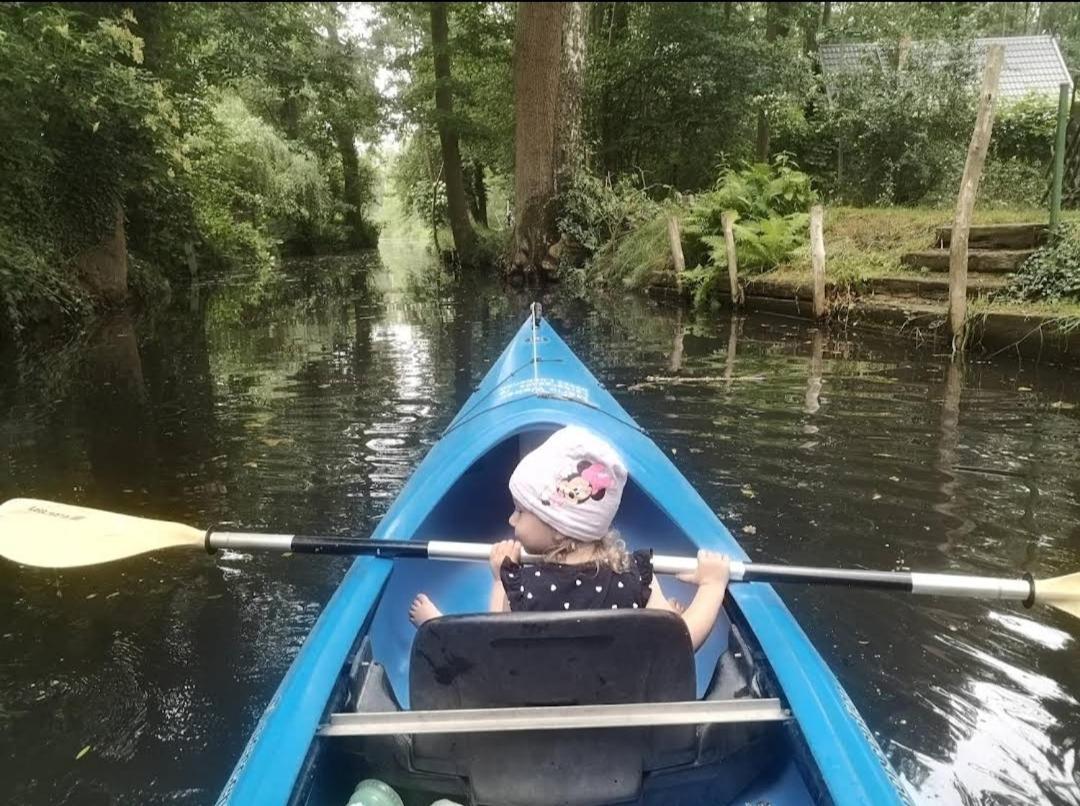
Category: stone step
[990,260]
[998,236]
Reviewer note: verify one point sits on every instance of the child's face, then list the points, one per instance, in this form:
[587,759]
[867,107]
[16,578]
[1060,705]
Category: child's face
[535,535]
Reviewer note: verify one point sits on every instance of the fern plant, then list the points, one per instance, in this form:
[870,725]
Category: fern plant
[769,203]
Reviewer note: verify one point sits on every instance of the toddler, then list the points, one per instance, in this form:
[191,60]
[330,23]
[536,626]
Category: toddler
[566,494]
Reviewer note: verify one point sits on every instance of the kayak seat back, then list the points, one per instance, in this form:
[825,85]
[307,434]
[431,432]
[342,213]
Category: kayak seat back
[533,659]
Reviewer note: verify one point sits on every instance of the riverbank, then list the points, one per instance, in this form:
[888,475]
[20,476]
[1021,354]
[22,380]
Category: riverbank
[868,282]
[1029,331]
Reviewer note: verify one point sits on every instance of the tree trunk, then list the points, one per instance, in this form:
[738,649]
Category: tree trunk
[479,194]
[537,59]
[103,268]
[353,191]
[570,139]
[464,238]
[772,27]
[549,81]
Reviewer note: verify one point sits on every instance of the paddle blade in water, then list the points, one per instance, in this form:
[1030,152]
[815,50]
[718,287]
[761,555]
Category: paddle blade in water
[51,535]
[1060,592]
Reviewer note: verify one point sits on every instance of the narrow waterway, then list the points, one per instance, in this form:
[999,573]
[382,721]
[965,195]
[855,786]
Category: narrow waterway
[139,682]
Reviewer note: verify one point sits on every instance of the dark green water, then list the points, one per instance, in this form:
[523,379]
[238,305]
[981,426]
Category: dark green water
[307,414]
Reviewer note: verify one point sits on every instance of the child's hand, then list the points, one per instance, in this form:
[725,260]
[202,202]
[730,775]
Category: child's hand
[502,550]
[712,569]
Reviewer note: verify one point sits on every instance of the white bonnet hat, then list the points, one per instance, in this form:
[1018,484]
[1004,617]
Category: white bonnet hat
[573,482]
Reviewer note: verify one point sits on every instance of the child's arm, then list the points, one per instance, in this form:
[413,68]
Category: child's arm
[711,577]
[497,602]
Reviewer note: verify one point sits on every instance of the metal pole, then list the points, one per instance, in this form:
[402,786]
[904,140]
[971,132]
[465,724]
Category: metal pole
[1059,154]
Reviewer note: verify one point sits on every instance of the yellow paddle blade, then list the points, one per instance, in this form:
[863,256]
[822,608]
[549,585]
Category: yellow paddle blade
[51,535]
[1060,592]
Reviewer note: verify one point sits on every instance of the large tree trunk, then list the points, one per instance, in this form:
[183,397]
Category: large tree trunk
[464,238]
[570,138]
[549,61]
[357,231]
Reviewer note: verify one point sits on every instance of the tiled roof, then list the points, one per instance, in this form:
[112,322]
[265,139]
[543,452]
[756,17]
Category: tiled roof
[1033,64]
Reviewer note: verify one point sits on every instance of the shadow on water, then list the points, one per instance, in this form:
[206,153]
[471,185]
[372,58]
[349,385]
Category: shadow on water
[303,402]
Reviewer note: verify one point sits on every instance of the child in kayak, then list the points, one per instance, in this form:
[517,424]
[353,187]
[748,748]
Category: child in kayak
[566,494]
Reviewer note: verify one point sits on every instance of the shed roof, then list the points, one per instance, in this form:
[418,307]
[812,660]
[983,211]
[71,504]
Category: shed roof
[1033,64]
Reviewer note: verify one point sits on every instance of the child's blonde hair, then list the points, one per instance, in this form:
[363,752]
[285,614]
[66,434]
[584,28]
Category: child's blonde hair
[609,550]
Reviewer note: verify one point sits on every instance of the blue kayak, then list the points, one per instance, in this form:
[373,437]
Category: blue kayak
[575,708]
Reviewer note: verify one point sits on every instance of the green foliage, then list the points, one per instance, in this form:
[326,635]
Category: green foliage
[595,211]
[770,202]
[416,176]
[253,191]
[673,89]
[637,257]
[110,105]
[480,45]
[1008,182]
[758,191]
[81,123]
[903,133]
[1052,274]
[1025,130]
[763,244]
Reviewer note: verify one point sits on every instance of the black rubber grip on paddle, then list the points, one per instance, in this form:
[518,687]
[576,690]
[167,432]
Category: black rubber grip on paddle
[388,549]
[1029,602]
[881,580]
[210,549]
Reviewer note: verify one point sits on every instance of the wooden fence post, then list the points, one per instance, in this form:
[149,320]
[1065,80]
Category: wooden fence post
[675,237]
[817,257]
[965,202]
[732,266]
[1064,102]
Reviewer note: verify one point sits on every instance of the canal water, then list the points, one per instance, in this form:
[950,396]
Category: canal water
[303,406]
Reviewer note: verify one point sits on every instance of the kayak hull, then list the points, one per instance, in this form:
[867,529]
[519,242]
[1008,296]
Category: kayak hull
[459,492]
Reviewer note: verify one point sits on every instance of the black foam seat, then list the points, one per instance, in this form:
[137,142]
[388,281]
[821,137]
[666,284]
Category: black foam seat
[532,659]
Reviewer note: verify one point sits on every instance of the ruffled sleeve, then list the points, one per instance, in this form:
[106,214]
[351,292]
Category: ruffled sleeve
[643,563]
[511,575]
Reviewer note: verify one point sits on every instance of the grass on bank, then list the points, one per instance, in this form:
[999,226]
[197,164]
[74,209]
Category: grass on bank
[860,244]
[864,243]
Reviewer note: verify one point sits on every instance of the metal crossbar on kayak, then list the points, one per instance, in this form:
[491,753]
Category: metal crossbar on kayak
[559,717]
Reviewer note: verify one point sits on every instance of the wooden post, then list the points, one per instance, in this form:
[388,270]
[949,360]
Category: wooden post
[965,202]
[193,270]
[732,345]
[732,266]
[675,237]
[677,345]
[817,257]
[902,55]
[1059,154]
[812,401]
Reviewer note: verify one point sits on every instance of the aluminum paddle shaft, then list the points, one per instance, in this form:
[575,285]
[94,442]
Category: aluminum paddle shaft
[1022,590]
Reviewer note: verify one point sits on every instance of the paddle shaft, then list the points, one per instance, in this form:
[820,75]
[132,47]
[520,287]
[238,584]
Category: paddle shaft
[1022,590]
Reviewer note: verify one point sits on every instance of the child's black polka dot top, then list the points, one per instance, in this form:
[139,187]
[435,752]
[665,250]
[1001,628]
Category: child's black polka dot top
[591,586]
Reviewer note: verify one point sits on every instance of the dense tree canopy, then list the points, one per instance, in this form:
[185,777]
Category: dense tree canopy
[223,136]
[226,129]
